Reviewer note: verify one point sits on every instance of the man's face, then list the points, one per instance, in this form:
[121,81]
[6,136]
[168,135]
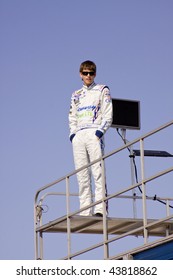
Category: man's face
[87,76]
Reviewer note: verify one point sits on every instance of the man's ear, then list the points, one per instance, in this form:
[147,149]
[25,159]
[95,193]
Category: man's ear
[81,75]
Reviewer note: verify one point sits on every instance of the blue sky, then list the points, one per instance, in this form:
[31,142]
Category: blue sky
[42,45]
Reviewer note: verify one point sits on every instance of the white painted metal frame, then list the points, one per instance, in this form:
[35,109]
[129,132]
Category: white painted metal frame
[38,234]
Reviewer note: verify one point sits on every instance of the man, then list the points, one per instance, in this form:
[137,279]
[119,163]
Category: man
[89,118]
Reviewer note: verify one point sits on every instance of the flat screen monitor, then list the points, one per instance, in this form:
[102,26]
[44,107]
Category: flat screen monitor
[126,113]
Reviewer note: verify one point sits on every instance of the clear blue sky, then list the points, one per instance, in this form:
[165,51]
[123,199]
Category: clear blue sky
[42,45]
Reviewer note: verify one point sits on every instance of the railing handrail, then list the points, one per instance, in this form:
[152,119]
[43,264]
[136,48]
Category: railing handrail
[119,196]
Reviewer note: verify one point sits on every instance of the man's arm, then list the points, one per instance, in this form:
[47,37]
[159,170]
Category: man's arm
[107,112]
[72,119]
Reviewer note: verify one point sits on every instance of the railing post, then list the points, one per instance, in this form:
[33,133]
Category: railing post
[41,245]
[105,230]
[35,233]
[68,218]
[167,214]
[143,191]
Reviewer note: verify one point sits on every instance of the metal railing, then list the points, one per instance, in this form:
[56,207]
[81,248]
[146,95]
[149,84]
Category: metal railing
[40,197]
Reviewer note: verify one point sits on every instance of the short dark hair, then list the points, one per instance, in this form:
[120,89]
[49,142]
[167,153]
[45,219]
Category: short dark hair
[88,64]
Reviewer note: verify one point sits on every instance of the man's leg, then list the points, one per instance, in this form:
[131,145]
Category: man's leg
[95,149]
[84,176]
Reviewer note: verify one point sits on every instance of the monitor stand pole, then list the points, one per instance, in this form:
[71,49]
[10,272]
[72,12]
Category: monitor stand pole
[123,134]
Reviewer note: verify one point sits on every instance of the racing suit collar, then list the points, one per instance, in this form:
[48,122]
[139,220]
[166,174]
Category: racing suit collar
[91,86]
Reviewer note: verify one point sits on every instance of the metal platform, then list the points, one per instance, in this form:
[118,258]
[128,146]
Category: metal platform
[113,229]
[116,226]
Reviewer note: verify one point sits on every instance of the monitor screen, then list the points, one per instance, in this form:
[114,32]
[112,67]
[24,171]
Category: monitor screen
[126,113]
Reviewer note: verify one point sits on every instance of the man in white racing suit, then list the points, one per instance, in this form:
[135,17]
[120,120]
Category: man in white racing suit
[90,117]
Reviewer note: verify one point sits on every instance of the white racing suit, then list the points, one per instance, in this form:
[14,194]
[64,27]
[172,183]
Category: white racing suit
[90,111]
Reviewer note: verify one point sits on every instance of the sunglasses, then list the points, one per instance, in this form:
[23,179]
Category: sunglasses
[86,73]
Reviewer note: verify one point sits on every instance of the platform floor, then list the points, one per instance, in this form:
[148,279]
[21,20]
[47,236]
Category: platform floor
[116,226]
